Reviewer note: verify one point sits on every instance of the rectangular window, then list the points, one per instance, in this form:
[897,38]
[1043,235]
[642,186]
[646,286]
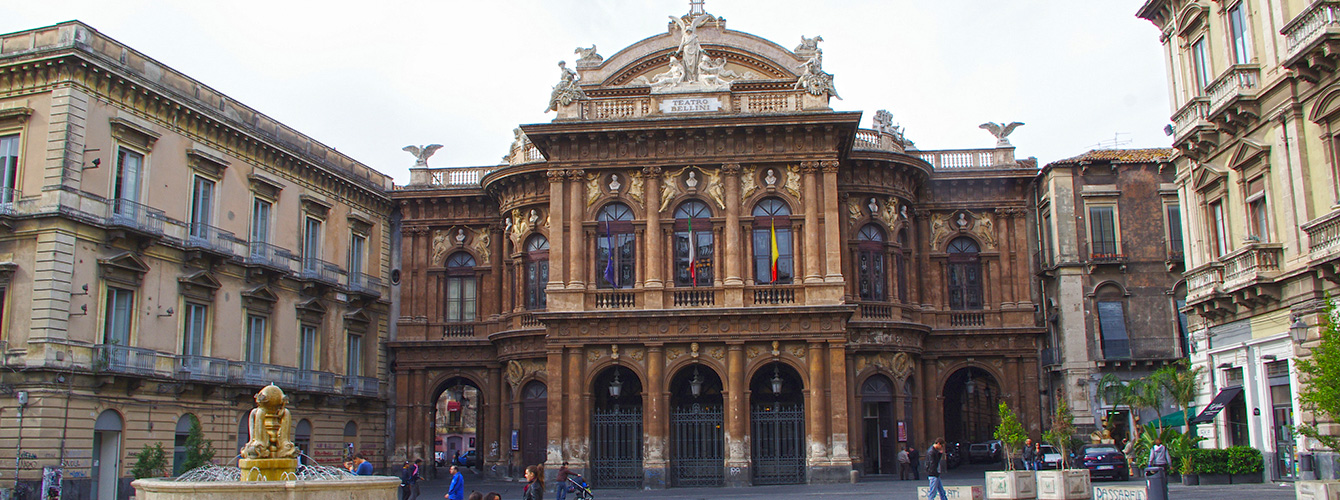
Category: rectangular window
[120,308]
[1112,326]
[195,320]
[311,244]
[1103,227]
[354,365]
[1218,230]
[1258,217]
[1047,256]
[1183,335]
[307,348]
[1200,65]
[1237,32]
[1174,214]
[255,339]
[202,207]
[461,298]
[129,165]
[356,245]
[260,221]
[9,167]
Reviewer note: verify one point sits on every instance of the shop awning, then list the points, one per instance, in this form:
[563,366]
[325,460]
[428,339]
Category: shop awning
[1175,419]
[1217,405]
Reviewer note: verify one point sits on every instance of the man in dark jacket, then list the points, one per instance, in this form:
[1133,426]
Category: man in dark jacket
[1029,455]
[935,465]
[914,457]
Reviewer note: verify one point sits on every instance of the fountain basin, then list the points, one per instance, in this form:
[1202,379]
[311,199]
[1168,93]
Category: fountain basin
[351,488]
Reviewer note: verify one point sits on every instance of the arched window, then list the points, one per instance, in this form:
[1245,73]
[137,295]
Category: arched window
[537,271]
[179,442]
[870,277]
[773,259]
[615,246]
[693,244]
[965,274]
[460,287]
[900,261]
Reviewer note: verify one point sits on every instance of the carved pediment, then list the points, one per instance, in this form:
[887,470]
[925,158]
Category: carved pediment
[266,188]
[312,306]
[315,206]
[259,299]
[1249,153]
[1191,17]
[200,285]
[1207,176]
[133,133]
[125,268]
[357,316]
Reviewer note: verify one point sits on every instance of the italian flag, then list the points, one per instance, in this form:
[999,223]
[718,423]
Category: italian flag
[773,233]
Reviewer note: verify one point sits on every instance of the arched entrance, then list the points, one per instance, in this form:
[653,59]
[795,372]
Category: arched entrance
[616,429]
[777,425]
[971,395]
[877,423]
[456,420]
[107,455]
[534,433]
[697,441]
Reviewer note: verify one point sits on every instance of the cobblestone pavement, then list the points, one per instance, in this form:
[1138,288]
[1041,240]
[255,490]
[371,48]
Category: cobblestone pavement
[869,488]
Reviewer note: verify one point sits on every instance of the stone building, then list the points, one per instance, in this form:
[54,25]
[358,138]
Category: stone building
[1110,268]
[166,251]
[700,274]
[1256,101]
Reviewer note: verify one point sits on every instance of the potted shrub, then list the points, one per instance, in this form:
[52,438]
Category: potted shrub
[1187,468]
[151,461]
[1320,394]
[1010,484]
[1244,464]
[1065,483]
[1212,466]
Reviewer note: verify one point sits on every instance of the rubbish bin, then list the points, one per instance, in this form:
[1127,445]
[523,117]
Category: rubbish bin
[1156,483]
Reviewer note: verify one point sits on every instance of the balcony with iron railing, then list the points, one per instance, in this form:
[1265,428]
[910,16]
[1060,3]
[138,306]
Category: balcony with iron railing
[774,295]
[319,271]
[210,239]
[261,374]
[9,199]
[265,255]
[1307,38]
[361,386]
[365,285]
[1251,264]
[316,381]
[113,358]
[202,368]
[136,217]
[1106,257]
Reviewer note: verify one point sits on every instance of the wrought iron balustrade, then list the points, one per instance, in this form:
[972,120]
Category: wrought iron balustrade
[137,216]
[202,368]
[113,358]
[320,271]
[207,237]
[264,254]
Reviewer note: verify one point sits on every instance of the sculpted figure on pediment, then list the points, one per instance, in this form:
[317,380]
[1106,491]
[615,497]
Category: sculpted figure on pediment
[566,91]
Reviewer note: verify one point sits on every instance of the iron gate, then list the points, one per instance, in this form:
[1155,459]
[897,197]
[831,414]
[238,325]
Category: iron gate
[616,447]
[696,443]
[778,437]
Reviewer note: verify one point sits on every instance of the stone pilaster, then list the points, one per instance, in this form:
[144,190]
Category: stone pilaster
[736,415]
[655,464]
[53,275]
[577,255]
[833,220]
[731,173]
[66,127]
[808,179]
[557,249]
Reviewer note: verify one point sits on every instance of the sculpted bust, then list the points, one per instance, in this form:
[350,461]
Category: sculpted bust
[271,426]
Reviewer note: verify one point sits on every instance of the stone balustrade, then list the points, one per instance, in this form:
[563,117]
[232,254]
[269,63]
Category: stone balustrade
[1239,80]
[1308,26]
[1323,237]
[1204,282]
[1251,263]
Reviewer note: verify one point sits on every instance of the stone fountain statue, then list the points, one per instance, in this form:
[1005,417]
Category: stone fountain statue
[270,452]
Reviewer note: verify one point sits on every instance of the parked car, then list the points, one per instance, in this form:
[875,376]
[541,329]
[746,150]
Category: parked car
[440,458]
[1051,459]
[469,459]
[997,449]
[1104,460]
[979,452]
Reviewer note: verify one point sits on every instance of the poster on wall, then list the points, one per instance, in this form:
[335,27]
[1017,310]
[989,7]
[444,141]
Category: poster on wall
[516,444]
[51,478]
[902,432]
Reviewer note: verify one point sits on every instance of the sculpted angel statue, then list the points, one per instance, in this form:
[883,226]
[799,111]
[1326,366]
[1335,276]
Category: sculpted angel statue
[689,48]
[566,91]
[421,153]
[1000,131]
[815,81]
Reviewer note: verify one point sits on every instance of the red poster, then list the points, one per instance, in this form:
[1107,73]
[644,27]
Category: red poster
[902,432]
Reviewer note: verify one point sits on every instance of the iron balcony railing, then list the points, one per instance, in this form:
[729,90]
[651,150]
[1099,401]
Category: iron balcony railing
[112,358]
[261,374]
[318,270]
[9,198]
[137,216]
[264,254]
[202,368]
[365,284]
[361,386]
[316,381]
[207,237]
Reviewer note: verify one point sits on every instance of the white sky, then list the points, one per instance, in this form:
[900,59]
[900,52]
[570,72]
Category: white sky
[369,78]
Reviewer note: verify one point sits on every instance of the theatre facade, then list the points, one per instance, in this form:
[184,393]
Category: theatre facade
[699,273]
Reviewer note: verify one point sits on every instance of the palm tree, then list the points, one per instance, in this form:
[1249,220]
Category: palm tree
[1182,385]
[1146,393]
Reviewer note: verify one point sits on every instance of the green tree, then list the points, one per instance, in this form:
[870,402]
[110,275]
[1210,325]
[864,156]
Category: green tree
[1011,434]
[1063,428]
[1147,393]
[199,451]
[1321,378]
[151,461]
[1182,385]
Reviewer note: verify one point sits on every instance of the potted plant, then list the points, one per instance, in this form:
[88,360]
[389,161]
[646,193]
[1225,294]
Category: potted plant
[1244,464]
[1212,466]
[1187,468]
[151,461]
[1065,483]
[1320,394]
[1010,484]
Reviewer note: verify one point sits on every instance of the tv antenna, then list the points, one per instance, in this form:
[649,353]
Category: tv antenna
[1116,142]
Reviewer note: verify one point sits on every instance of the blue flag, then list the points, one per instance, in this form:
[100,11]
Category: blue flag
[609,262]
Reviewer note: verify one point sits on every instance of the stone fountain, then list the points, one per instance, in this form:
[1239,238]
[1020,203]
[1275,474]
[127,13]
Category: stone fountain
[268,468]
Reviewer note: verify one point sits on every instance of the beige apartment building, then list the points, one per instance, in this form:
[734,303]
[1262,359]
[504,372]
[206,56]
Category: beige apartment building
[164,252]
[1256,101]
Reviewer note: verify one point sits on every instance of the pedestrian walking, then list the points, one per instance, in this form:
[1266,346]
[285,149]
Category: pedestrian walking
[406,471]
[1038,457]
[1158,455]
[457,489]
[534,489]
[416,474]
[914,458]
[935,465]
[904,464]
[1030,455]
[561,488]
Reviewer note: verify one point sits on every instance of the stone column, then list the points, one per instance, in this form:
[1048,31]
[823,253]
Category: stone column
[557,253]
[500,297]
[503,424]
[736,414]
[574,439]
[730,173]
[1007,254]
[652,196]
[655,464]
[832,224]
[557,403]
[818,407]
[808,175]
[838,385]
[577,256]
